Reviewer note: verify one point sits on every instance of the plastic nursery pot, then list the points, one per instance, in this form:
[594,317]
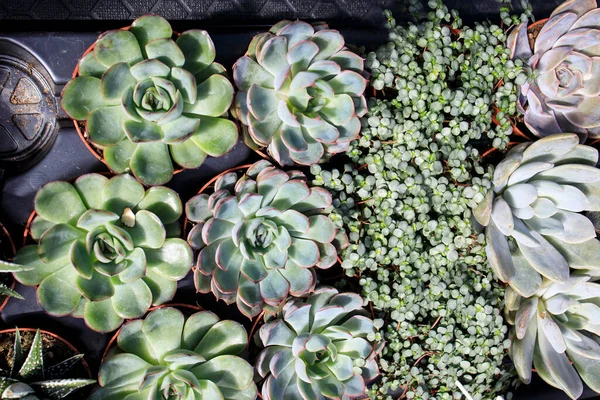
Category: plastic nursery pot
[187,309]
[7,251]
[81,126]
[56,349]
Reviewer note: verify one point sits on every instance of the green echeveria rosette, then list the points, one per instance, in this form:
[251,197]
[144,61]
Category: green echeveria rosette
[107,250]
[300,93]
[318,348]
[148,100]
[534,226]
[556,331]
[261,237]
[168,356]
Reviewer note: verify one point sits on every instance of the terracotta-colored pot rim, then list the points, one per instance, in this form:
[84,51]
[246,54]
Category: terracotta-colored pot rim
[13,252]
[531,30]
[81,126]
[113,339]
[57,337]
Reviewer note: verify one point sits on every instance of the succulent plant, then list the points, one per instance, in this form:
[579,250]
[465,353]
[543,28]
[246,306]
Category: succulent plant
[149,100]
[106,249]
[564,93]
[318,348]
[6,266]
[300,93]
[556,327]
[533,223]
[168,356]
[260,237]
[30,379]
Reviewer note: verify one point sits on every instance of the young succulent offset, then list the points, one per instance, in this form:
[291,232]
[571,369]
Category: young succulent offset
[149,100]
[533,223]
[107,249]
[300,93]
[30,379]
[168,356]
[317,348]
[9,267]
[564,94]
[557,330]
[260,236]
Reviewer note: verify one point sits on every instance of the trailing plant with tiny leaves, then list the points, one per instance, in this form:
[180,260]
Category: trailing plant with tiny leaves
[30,378]
[406,202]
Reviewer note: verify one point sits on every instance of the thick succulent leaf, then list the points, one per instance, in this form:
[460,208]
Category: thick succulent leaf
[132,300]
[198,49]
[196,209]
[545,259]
[101,316]
[223,338]
[305,253]
[173,260]
[60,388]
[28,256]
[81,96]
[115,82]
[578,256]
[215,136]
[196,327]
[118,157]
[215,95]
[166,51]
[559,368]
[247,72]
[59,202]
[39,226]
[162,329]
[149,27]
[162,202]
[226,371]
[163,289]
[98,287]
[274,288]
[571,173]
[577,228]
[131,339]
[526,281]
[56,243]
[117,46]
[122,370]
[276,333]
[105,126]
[121,192]
[302,280]
[498,254]
[89,66]
[151,163]
[588,368]
[273,55]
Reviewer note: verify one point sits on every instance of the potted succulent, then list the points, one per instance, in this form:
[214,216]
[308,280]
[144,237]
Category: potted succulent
[170,355]
[261,235]
[320,344]
[40,365]
[144,98]
[300,93]
[563,93]
[105,249]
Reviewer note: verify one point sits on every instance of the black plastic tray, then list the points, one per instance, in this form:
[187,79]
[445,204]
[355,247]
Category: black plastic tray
[51,50]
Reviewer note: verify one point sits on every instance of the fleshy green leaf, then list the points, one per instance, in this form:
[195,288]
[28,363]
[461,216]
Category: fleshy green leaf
[151,163]
[59,202]
[216,136]
[117,46]
[82,95]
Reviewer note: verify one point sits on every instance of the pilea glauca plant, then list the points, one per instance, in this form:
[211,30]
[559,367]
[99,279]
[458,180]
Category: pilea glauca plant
[168,356]
[260,237]
[107,250]
[148,100]
[30,378]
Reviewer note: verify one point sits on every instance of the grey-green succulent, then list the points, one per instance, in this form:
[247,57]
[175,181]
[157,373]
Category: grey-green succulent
[149,100]
[556,331]
[318,348]
[107,249]
[534,227]
[30,379]
[300,93]
[563,94]
[260,237]
[167,356]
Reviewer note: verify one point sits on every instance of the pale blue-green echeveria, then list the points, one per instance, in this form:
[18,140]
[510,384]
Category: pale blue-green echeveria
[318,348]
[564,93]
[300,93]
[149,100]
[556,331]
[534,227]
[167,356]
[260,237]
[107,249]
[30,378]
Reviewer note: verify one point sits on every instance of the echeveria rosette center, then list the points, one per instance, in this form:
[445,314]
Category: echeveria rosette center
[533,220]
[564,94]
[300,93]
[318,347]
[107,249]
[149,100]
[556,331]
[260,237]
[169,356]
